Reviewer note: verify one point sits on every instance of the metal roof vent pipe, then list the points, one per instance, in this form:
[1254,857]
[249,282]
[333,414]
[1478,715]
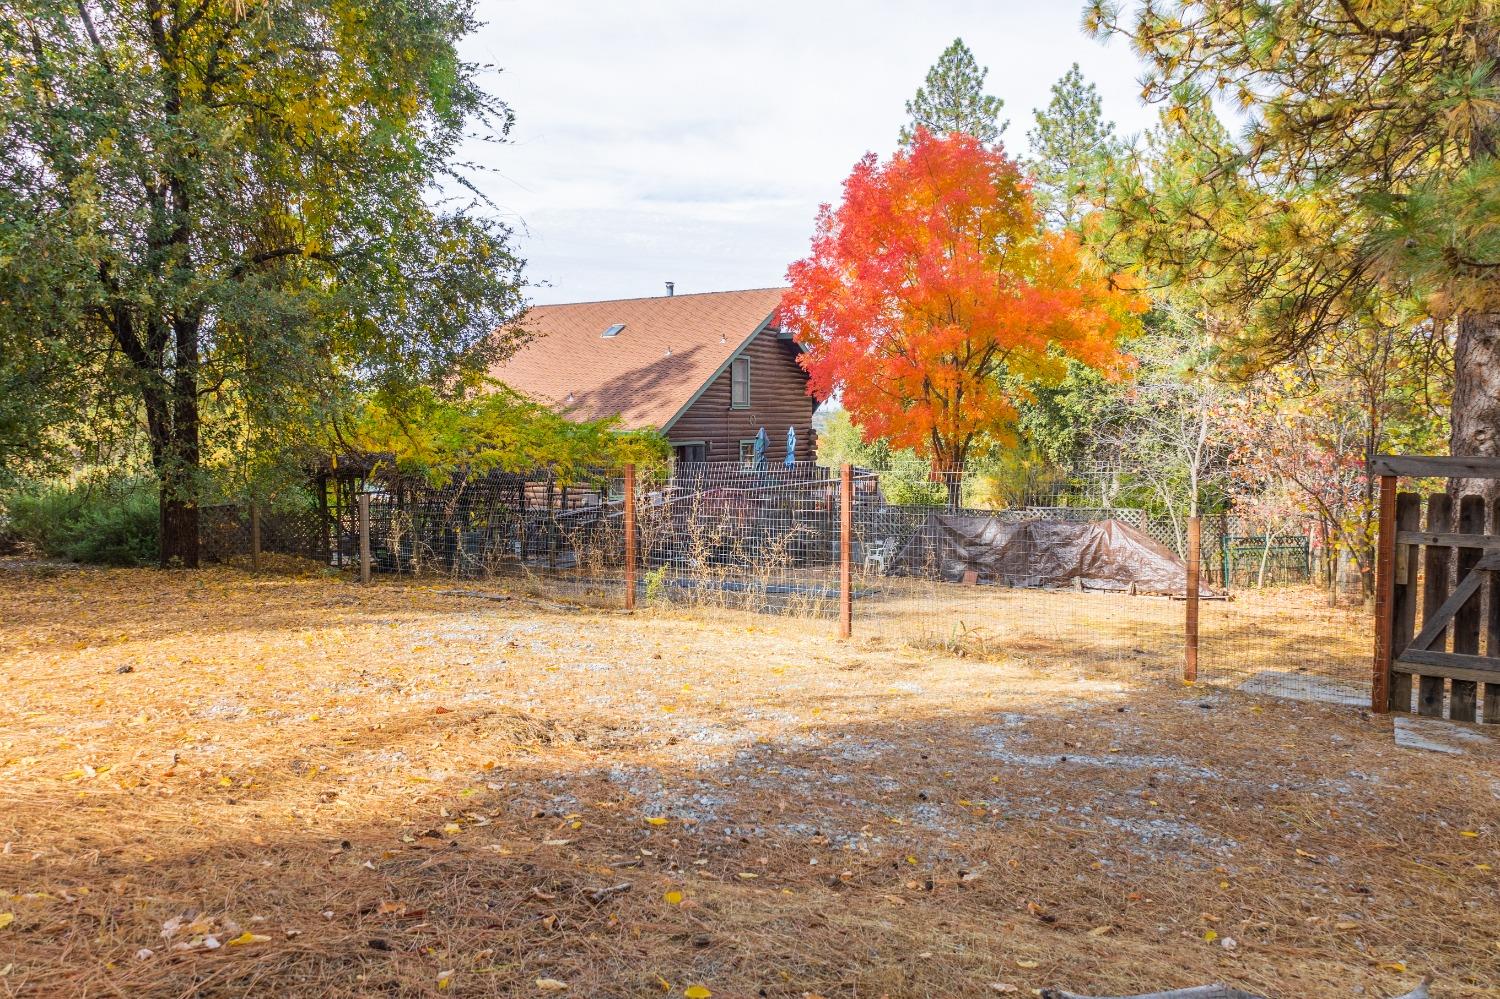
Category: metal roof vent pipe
[670,286]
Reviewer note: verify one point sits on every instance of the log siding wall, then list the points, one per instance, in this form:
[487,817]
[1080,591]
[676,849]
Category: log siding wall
[778,399]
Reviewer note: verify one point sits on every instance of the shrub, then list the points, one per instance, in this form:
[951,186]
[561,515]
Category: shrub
[109,520]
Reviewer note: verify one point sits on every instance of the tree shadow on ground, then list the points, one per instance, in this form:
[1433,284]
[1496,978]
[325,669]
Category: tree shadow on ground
[1100,835]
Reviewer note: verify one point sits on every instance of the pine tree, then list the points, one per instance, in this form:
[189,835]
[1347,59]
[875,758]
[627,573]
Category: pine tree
[1367,174]
[953,100]
[1073,148]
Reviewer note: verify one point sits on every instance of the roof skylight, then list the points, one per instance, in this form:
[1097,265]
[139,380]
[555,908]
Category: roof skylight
[612,331]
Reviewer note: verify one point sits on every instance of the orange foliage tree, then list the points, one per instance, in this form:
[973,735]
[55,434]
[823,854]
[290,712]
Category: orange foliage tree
[934,295]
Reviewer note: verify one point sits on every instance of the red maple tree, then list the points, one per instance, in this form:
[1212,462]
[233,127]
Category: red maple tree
[934,278]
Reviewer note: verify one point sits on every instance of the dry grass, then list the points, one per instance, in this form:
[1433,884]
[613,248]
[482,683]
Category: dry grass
[410,793]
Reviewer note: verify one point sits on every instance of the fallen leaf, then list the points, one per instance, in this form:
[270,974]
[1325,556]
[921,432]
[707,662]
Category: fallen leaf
[6,918]
[1023,963]
[696,992]
[1040,913]
[248,938]
[673,897]
[550,984]
[1099,931]
[656,820]
[1003,987]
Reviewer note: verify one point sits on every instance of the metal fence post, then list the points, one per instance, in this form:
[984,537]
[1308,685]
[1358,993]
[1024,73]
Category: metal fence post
[846,534]
[1194,572]
[1385,578]
[364,537]
[255,536]
[630,537]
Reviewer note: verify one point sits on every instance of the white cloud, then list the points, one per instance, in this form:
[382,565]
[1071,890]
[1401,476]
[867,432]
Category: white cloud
[669,140]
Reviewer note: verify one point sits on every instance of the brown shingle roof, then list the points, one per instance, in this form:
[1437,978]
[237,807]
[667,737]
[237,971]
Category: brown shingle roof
[670,347]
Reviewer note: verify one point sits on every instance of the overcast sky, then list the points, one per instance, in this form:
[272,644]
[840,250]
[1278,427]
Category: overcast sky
[692,141]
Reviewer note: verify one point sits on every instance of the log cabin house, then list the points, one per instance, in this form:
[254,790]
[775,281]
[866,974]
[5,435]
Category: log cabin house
[706,370]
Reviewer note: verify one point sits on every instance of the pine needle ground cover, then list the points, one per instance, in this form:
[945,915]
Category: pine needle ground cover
[222,784]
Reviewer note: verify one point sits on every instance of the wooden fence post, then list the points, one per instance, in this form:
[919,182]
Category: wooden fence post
[1492,638]
[630,537]
[1194,574]
[1403,589]
[1431,690]
[1385,580]
[255,536]
[846,534]
[1463,695]
[364,537]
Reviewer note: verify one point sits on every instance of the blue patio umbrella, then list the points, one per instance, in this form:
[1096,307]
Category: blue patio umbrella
[791,446]
[761,441]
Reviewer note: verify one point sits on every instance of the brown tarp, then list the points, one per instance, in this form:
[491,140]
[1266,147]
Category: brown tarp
[1104,554]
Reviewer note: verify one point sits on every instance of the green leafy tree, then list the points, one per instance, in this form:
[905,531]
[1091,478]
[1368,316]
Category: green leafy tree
[905,476]
[953,100]
[227,212]
[494,428]
[1073,148]
[1366,174]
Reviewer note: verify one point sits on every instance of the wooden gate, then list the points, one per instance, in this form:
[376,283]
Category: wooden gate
[1444,558]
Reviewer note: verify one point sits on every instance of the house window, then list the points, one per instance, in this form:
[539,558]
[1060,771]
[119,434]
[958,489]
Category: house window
[739,383]
[747,451]
[690,452]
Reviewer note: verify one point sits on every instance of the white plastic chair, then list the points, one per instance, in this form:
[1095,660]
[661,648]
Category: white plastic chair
[879,556]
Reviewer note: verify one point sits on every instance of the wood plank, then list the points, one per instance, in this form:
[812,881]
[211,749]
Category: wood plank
[1491,707]
[1434,593]
[1444,664]
[1404,596]
[1463,702]
[1439,621]
[1438,466]
[1477,539]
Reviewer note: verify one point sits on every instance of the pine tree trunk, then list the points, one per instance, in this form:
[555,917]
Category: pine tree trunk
[1476,397]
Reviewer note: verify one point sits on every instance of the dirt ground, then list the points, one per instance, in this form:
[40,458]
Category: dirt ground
[223,784]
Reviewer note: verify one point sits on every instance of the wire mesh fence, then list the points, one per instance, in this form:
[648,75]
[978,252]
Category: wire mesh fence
[732,535]
[566,535]
[1046,586]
